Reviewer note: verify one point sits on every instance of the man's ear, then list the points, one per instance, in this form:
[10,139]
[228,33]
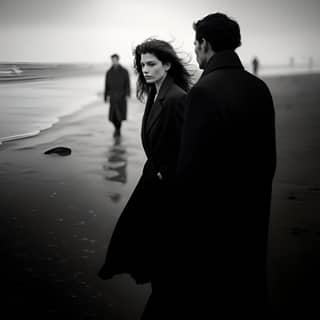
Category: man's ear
[206,45]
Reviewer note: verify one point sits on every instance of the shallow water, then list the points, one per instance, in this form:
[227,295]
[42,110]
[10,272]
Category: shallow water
[35,96]
[28,107]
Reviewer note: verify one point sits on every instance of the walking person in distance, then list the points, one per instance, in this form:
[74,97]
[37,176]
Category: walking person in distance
[117,90]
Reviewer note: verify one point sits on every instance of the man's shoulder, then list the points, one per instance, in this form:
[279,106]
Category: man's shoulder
[202,86]
[175,97]
[118,71]
[175,89]
[123,69]
[223,77]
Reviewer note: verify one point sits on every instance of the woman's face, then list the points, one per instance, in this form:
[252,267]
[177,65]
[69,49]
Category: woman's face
[154,71]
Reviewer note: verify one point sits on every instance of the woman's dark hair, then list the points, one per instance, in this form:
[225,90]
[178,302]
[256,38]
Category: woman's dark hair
[219,30]
[166,54]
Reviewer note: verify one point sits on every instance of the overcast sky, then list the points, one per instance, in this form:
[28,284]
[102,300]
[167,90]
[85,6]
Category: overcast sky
[91,30]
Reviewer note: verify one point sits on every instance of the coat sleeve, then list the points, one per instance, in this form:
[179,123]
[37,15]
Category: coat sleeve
[199,127]
[106,87]
[175,116]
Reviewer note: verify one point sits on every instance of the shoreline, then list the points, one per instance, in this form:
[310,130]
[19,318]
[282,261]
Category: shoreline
[27,135]
[30,110]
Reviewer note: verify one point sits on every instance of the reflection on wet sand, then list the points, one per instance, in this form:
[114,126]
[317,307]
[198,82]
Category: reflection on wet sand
[116,166]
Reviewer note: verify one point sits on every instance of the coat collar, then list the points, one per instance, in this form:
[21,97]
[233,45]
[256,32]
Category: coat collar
[157,106]
[153,109]
[227,59]
[119,67]
[168,81]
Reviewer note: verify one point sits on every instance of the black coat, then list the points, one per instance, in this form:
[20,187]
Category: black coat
[117,87]
[136,245]
[225,172]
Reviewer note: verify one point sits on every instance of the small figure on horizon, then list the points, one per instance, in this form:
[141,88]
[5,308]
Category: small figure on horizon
[291,62]
[255,65]
[310,63]
[117,88]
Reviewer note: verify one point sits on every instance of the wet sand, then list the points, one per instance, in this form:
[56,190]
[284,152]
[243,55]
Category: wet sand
[295,216]
[58,213]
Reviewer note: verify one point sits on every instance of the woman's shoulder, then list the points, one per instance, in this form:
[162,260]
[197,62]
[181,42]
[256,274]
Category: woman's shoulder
[175,92]
[175,99]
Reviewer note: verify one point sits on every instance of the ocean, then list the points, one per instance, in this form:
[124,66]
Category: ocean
[33,97]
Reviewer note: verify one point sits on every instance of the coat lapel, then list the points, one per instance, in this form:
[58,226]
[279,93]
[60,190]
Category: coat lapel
[157,106]
[145,117]
[154,115]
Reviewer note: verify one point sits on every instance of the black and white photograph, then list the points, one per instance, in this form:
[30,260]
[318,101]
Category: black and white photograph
[159,159]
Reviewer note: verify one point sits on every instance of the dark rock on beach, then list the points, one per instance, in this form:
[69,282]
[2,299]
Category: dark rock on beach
[62,151]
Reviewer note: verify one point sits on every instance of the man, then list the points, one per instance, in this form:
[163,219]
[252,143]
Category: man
[224,177]
[117,88]
[255,65]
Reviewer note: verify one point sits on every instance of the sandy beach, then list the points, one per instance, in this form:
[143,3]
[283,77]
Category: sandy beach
[58,213]
[295,220]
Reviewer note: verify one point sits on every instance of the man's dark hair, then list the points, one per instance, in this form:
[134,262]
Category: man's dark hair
[219,30]
[115,55]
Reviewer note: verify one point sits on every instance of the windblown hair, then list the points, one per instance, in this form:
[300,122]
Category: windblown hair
[219,30]
[166,54]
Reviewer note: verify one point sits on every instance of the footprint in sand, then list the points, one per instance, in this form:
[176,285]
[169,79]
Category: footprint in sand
[115,197]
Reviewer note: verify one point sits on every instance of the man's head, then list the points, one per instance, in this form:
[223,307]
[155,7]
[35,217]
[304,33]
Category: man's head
[215,32]
[115,59]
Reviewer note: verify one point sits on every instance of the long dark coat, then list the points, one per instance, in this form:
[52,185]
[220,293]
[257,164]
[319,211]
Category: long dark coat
[137,246]
[117,87]
[225,172]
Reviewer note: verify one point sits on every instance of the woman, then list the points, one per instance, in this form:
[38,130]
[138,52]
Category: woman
[137,245]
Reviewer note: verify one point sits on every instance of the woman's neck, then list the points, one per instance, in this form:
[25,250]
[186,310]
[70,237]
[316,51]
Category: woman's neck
[159,84]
